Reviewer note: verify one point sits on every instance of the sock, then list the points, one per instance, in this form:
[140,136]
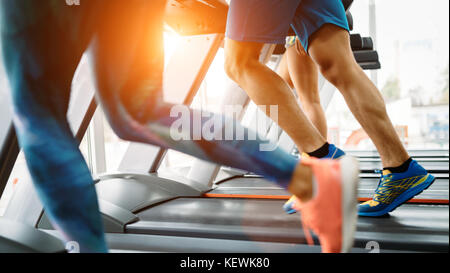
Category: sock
[400,169]
[321,152]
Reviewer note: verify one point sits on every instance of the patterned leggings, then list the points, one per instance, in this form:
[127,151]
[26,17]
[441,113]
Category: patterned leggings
[42,43]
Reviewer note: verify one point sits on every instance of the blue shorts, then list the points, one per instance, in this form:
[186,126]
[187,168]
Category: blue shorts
[268,21]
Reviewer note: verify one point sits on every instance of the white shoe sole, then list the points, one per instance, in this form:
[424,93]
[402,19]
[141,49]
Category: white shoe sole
[350,180]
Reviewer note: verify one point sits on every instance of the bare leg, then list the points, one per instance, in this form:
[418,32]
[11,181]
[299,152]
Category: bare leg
[265,87]
[305,77]
[330,49]
[283,71]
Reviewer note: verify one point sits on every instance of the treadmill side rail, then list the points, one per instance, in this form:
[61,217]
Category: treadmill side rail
[114,218]
[123,194]
[146,189]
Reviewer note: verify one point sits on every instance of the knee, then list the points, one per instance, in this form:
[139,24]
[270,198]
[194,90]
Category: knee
[36,125]
[310,102]
[338,71]
[121,127]
[330,70]
[238,61]
[132,126]
[309,96]
[234,67]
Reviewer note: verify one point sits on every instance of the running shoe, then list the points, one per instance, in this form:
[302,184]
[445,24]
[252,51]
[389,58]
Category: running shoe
[394,189]
[333,153]
[332,212]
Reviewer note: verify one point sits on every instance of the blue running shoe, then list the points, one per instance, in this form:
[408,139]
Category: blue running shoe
[394,189]
[333,153]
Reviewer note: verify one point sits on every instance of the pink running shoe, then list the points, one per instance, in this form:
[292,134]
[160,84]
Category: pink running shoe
[332,212]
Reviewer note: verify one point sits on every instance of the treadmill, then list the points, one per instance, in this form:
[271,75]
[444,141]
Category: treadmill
[248,208]
[214,209]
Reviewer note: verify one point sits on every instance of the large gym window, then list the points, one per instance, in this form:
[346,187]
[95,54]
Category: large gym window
[5,123]
[412,42]
[208,98]
[5,103]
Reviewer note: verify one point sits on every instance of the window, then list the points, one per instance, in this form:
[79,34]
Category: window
[413,50]
[5,121]
[115,147]
[208,98]
[5,103]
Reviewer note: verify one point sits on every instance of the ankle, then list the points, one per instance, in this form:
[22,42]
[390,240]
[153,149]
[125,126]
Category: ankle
[392,163]
[399,168]
[320,152]
[312,145]
[302,183]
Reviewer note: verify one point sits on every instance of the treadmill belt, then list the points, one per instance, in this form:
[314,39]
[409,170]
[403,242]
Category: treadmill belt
[421,228]
[139,243]
[368,183]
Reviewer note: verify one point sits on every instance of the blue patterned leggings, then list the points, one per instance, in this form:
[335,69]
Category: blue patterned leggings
[42,44]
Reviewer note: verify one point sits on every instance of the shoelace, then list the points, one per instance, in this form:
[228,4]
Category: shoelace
[380,192]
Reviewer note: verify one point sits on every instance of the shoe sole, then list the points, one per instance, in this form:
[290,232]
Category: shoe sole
[289,209]
[403,198]
[350,179]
